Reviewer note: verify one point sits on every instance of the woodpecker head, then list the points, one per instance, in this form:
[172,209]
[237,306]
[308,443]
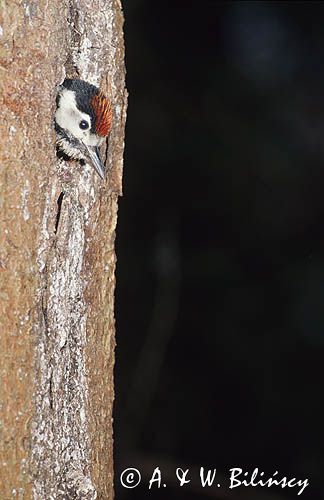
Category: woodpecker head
[82,121]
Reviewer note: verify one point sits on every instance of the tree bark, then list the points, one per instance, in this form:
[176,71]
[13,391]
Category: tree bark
[57,258]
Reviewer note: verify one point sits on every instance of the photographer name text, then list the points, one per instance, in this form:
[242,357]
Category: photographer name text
[237,478]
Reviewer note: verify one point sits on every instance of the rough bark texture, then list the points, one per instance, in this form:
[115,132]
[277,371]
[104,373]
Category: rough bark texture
[57,257]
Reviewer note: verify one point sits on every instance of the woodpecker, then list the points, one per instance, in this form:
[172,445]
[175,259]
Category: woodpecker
[82,120]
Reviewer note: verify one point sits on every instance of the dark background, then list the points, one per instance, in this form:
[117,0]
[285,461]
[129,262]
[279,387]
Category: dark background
[220,245]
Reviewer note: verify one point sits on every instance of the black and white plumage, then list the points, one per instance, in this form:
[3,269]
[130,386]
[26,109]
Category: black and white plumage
[82,121]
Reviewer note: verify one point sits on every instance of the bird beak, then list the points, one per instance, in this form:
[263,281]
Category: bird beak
[94,157]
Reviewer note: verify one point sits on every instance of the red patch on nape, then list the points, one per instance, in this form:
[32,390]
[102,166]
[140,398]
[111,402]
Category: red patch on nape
[103,111]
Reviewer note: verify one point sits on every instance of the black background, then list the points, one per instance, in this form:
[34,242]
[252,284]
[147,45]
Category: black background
[220,245]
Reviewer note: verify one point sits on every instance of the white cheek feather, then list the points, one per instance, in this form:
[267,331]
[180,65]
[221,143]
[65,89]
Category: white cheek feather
[94,140]
[68,116]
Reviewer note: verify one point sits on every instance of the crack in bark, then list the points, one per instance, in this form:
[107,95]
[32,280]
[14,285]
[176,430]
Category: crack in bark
[59,208]
[75,37]
[50,391]
[44,312]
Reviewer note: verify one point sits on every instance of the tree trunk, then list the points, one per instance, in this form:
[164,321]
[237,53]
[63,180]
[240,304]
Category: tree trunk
[57,258]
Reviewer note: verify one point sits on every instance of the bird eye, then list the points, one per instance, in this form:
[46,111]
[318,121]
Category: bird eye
[84,125]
